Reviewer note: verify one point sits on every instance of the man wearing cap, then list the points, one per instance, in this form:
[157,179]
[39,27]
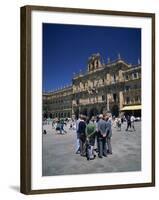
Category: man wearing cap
[102,127]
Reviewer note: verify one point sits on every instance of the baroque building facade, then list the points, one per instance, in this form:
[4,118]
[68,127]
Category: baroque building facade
[104,87]
[58,103]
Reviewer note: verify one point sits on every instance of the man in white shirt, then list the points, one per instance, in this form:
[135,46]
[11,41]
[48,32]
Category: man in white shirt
[132,122]
[78,141]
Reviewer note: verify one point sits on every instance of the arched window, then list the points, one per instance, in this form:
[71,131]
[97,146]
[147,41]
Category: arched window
[113,78]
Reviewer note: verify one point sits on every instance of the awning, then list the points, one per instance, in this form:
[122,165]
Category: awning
[137,107]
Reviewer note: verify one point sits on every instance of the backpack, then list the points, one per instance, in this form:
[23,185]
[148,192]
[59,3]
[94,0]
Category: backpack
[90,129]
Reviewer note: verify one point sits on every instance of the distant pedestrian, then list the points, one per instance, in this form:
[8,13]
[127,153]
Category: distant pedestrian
[108,135]
[77,132]
[74,126]
[128,122]
[96,145]
[122,119]
[62,130]
[132,122]
[53,124]
[119,123]
[58,126]
[71,126]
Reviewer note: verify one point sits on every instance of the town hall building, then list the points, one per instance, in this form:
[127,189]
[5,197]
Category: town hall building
[113,87]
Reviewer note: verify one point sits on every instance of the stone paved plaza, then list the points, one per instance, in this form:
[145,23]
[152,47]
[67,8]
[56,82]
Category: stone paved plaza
[59,156]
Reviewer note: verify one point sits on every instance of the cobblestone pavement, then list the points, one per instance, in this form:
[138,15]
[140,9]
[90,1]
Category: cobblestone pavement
[59,156]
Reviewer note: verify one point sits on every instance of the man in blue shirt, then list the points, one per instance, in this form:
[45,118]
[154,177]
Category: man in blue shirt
[102,126]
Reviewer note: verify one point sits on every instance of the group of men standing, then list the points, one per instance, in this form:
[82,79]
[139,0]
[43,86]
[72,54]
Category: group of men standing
[94,134]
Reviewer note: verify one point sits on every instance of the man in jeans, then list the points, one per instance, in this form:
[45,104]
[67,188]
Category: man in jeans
[102,126]
[128,122]
[82,135]
[109,135]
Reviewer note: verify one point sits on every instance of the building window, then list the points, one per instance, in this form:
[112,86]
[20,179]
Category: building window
[135,75]
[127,88]
[113,78]
[114,97]
[68,115]
[77,101]
[103,98]
[95,83]
[126,77]
[103,81]
[137,99]
[127,100]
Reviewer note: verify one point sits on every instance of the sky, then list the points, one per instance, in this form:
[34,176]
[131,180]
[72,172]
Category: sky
[66,49]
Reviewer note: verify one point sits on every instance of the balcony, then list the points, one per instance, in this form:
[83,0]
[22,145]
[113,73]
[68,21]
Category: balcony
[132,91]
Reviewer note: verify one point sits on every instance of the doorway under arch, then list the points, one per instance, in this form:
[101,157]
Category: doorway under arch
[84,111]
[76,112]
[115,110]
[93,112]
